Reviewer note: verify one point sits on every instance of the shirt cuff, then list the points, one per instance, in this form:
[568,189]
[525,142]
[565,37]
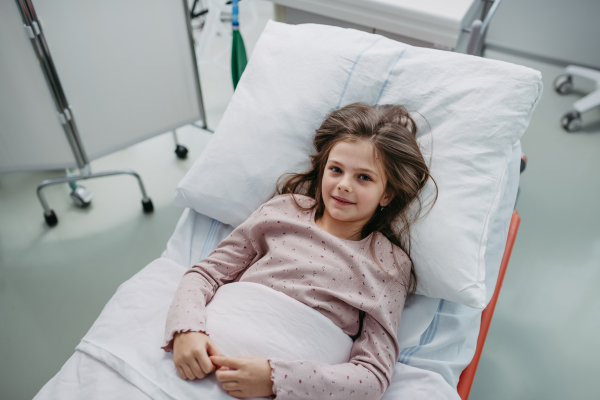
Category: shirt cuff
[170,338]
[280,374]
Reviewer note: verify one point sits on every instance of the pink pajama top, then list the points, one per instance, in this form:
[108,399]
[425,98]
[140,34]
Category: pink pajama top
[281,247]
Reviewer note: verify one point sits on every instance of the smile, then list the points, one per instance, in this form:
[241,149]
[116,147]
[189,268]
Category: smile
[339,200]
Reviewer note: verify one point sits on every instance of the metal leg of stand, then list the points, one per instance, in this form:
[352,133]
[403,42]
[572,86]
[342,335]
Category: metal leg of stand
[49,213]
[205,128]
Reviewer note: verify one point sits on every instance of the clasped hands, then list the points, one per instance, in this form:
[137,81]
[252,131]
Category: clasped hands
[196,356]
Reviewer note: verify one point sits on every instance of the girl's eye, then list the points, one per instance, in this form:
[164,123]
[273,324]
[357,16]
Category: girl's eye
[334,169]
[366,176]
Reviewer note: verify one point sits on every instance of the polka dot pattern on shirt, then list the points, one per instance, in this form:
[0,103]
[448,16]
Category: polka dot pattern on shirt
[282,247]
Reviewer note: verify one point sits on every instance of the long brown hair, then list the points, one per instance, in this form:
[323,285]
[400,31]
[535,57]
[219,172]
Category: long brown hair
[392,132]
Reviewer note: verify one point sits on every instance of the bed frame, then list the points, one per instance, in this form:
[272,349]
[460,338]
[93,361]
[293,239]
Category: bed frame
[467,376]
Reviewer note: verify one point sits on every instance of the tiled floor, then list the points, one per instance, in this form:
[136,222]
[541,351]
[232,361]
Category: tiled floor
[55,281]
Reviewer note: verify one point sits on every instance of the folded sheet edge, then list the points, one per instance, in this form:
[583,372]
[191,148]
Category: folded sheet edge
[128,372]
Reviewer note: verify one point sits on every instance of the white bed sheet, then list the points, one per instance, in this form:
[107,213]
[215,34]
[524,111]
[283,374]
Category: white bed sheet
[84,377]
[447,332]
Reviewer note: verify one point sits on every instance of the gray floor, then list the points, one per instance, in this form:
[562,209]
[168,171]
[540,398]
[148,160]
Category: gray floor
[543,340]
[54,282]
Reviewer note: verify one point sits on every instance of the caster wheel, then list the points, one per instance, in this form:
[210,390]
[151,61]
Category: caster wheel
[181,152]
[81,197]
[523,163]
[571,122]
[148,206]
[563,84]
[50,218]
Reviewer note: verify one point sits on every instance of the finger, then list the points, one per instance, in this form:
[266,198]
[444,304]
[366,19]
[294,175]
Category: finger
[213,350]
[217,360]
[226,376]
[188,372]
[196,369]
[225,361]
[205,362]
[181,373]
[236,393]
[233,385]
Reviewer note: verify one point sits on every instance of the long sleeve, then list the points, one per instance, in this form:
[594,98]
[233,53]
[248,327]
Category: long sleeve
[367,374]
[233,255]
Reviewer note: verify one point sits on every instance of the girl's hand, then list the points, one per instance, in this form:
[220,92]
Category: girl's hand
[191,352]
[244,376]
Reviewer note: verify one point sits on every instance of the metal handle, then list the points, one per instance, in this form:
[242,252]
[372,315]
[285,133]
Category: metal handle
[478,30]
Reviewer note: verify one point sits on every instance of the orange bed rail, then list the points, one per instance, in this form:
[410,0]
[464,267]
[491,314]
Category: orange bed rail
[467,376]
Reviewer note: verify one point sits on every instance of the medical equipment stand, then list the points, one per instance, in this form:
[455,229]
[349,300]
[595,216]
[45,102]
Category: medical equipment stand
[80,195]
[563,84]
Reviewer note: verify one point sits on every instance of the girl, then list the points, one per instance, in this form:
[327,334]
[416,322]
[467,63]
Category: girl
[325,239]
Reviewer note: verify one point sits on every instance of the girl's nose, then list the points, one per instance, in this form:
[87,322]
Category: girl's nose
[344,185]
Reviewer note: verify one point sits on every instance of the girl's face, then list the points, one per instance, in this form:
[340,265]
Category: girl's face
[353,185]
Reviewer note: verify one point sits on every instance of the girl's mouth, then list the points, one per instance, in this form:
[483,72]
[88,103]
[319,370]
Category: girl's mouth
[340,201]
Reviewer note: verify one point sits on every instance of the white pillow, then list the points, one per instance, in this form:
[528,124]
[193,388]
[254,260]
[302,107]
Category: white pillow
[477,108]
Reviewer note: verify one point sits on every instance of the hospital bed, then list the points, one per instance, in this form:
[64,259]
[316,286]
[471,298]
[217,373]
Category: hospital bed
[426,371]
[439,338]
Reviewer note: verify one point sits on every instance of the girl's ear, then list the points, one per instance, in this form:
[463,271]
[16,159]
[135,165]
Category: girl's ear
[386,199]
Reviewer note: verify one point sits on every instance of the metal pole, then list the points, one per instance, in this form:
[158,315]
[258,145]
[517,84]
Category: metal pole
[64,104]
[479,30]
[195,61]
[34,31]
[489,15]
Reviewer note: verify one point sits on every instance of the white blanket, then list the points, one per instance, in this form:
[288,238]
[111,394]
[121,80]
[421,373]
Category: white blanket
[242,318]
